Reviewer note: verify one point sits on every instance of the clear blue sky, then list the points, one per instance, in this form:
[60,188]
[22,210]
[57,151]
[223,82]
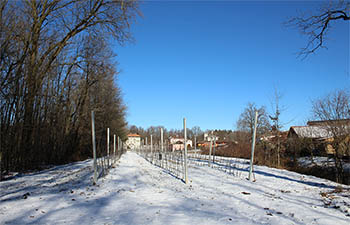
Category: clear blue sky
[205,60]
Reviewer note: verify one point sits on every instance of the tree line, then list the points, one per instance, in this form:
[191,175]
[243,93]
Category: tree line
[56,66]
[167,133]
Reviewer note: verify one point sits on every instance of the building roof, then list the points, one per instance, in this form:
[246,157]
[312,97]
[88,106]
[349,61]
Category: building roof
[175,140]
[311,132]
[329,122]
[272,136]
[133,135]
[322,129]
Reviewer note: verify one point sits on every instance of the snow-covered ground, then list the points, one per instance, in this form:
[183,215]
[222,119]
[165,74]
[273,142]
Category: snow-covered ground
[322,162]
[137,192]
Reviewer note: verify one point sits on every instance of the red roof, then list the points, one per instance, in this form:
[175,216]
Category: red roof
[133,135]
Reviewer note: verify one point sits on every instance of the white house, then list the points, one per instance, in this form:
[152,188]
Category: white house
[178,143]
[209,137]
[133,142]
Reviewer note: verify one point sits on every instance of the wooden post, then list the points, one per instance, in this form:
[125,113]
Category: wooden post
[94,145]
[146,149]
[119,144]
[185,143]
[161,146]
[107,147]
[210,147]
[195,142]
[0,152]
[161,139]
[151,149]
[253,147]
[214,149]
[114,145]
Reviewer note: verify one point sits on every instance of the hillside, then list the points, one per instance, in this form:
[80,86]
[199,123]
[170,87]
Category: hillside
[137,192]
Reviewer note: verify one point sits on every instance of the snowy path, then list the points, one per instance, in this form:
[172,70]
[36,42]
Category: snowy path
[136,192]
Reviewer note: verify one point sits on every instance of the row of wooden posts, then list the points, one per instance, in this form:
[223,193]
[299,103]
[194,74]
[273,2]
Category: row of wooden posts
[162,157]
[185,155]
[159,160]
[107,162]
[103,164]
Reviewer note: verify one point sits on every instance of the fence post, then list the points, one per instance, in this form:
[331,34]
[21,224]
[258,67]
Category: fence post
[253,147]
[114,146]
[94,145]
[185,143]
[118,149]
[195,142]
[214,146]
[151,149]
[0,152]
[107,147]
[161,146]
[210,147]
[145,147]
[161,139]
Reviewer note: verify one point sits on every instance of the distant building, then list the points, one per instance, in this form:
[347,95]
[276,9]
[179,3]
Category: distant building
[323,132]
[209,137]
[206,144]
[133,142]
[272,136]
[330,123]
[178,143]
[314,132]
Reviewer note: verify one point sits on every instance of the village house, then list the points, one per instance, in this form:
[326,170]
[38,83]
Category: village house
[208,137]
[133,141]
[272,140]
[323,133]
[206,144]
[178,143]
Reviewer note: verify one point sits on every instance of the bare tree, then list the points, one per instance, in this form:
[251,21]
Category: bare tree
[54,68]
[196,130]
[277,109]
[155,132]
[54,25]
[246,119]
[316,25]
[334,111]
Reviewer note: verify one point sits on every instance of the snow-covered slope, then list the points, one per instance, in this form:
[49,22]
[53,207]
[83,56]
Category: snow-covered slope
[137,192]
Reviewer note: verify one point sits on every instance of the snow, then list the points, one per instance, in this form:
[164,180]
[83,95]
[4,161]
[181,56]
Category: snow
[313,131]
[324,162]
[137,192]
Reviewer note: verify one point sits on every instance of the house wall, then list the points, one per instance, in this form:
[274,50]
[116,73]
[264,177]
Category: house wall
[172,141]
[133,142]
[176,147]
[208,137]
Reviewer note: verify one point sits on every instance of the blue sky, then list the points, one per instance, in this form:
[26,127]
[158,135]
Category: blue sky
[205,60]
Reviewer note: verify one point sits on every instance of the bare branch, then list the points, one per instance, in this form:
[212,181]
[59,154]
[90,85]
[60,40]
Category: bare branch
[316,26]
